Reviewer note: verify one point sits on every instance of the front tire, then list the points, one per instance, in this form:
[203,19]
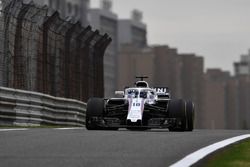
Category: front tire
[190,115]
[177,110]
[94,109]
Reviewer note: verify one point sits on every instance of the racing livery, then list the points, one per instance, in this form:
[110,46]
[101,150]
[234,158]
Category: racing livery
[140,107]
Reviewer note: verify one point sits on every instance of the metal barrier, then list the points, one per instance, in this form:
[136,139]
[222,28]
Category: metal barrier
[26,108]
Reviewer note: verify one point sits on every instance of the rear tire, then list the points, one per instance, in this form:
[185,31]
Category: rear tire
[177,110]
[190,115]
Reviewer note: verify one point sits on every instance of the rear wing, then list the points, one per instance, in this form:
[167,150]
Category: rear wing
[162,92]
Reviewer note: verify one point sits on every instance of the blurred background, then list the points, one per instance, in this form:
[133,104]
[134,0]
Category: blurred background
[198,49]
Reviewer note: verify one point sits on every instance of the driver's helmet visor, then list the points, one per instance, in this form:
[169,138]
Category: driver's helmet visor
[133,93]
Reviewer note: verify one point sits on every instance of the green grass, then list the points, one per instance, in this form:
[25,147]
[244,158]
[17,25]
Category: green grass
[236,155]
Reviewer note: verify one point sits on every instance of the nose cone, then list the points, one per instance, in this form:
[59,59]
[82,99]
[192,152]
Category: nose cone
[136,107]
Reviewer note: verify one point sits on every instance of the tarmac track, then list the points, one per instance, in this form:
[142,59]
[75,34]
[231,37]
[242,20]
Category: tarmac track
[123,148]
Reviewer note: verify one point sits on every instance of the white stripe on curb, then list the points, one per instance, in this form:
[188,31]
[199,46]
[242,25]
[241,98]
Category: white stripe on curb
[198,155]
[5,130]
[67,128]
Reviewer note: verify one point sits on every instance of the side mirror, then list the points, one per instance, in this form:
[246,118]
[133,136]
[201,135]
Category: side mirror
[121,93]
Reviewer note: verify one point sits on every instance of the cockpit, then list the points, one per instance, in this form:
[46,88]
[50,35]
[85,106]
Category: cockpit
[133,93]
[140,93]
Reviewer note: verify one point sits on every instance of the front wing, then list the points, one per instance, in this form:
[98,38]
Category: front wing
[153,117]
[154,123]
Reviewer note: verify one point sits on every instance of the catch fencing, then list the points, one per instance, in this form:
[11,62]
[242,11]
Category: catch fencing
[41,52]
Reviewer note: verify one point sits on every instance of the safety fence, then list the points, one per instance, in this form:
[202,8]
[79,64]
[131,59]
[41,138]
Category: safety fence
[41,52]
[26,108]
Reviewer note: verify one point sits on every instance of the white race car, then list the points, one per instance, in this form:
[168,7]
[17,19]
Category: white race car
[140,108]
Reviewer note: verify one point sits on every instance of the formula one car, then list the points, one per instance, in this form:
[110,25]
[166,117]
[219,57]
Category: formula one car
[140,108]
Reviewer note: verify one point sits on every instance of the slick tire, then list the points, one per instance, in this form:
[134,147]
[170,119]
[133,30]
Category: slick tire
[94,109]
[190,109]
[177,110]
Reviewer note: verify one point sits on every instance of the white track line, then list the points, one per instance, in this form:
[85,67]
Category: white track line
[198,155]
[68,128]
[6,130]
